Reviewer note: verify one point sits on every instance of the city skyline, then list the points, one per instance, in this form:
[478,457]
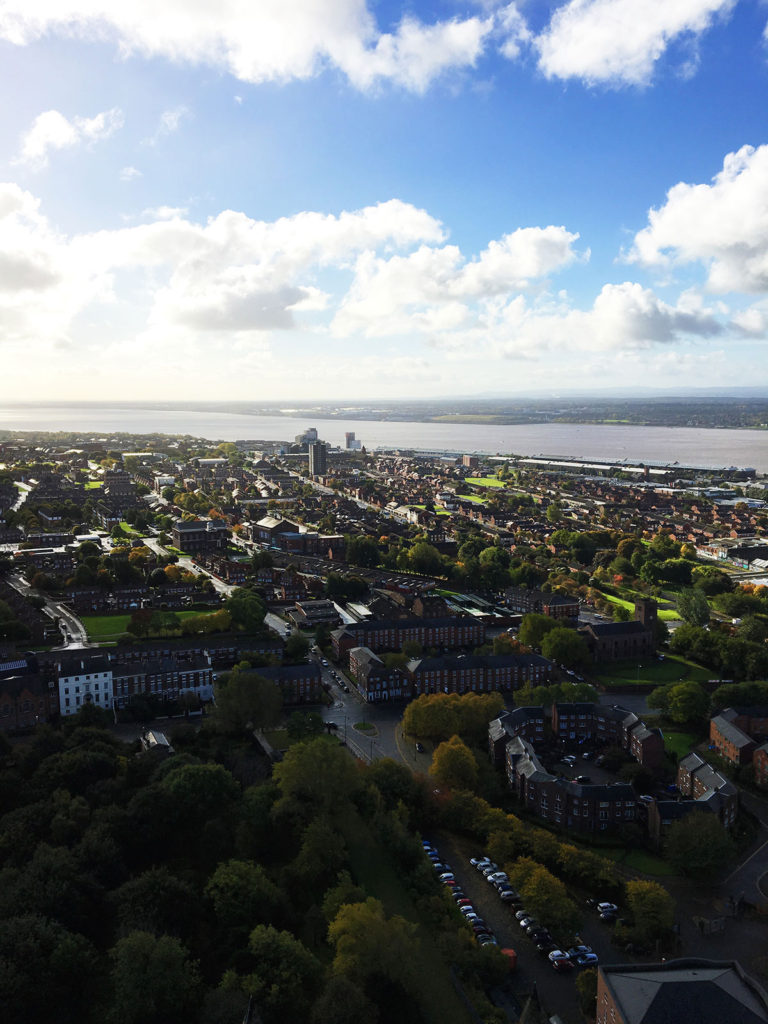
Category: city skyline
[351,201]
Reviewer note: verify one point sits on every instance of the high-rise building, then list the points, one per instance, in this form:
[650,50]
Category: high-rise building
[318,459]
[351,443]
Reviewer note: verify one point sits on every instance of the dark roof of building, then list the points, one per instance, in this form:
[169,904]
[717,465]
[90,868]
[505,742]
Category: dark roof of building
[686,992]
[599,791]
[730,732]
[278,672]
[617,628]
[575,708]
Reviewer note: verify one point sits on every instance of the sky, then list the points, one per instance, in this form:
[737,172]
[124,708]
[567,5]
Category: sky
[343,199]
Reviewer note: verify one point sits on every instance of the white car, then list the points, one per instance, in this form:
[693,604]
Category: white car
[557,954]
[497,876]
[607,908]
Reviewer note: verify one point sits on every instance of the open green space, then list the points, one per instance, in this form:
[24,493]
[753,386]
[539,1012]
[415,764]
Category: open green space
[109,627]
[92,485]
[650,671]
[127,528]
[680,743]
[375,873]
[643,861]
[484,481]
[666,614]
[471,497]
[364,727]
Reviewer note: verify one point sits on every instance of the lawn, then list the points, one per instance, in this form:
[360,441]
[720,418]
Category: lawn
[639,860]
[471,497]
[666,614]
[650,671]
[103,628]
[439,1001]
[129,529]
[680,743]
[484,481]
[92,485]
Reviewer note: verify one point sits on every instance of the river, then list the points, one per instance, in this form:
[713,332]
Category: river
[687,445]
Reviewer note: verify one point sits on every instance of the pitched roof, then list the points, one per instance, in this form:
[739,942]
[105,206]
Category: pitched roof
[686,992]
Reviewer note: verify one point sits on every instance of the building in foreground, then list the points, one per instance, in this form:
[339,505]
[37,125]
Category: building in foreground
[689,991]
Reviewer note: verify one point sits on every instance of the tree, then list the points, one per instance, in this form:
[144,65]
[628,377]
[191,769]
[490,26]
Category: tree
[362,551]
[154,980]
[688,702]
[454,765]
[296,649]
[699,846]
[693,606]
[319,774]
[367,943]
[247,610]
[246,701]
[565,647]
[47,972]
[652,908]
[425,558]
[546,898]
[243,896]
[586,986]
[534,628]
[286,977]
[155,901]
[658,698]
[343,1002]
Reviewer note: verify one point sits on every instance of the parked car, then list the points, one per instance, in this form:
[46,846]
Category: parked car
[477,861]
[563,964]
[558,954]
[583,779]
[576,951]
[586,960]
[463,901]
[419,748]
[520,914]
[467,909]
[607,908]
[447,874]
[488,869]
[510,896]
[497,876]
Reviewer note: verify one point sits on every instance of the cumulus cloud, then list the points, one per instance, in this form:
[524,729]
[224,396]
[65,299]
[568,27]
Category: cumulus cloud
[51,130]
[618,42]
[429,289]
[258,42]
[723,225]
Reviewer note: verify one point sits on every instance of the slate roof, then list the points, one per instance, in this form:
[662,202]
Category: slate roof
[730,732]
[686,992]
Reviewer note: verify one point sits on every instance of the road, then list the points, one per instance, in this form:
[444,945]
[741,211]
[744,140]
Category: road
[72,629]
[556,992]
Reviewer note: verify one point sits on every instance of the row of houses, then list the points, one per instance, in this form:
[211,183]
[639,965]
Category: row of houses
[446,674]
[447,632]
[31,693]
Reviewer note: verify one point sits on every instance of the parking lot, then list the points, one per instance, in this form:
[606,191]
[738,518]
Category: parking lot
[556,991]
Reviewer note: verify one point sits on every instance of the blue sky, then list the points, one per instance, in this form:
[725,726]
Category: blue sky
[328,199]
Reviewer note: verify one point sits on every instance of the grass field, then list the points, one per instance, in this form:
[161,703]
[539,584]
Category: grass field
[92,485]
[484,481]
[650,672]
[639,860]
[103,628]
[680,743]
[471,497]
[666,614]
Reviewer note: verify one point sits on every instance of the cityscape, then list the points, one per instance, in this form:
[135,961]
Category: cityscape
[551,670]
[384,512]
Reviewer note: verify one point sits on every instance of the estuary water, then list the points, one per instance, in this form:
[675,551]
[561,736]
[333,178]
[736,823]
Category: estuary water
[687,445]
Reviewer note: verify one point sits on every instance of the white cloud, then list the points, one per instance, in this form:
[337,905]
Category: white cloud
[266,41]
[164,212]
[723,225]
[130,173]
[617,42]
[429,289]
[168,123]
[51,130]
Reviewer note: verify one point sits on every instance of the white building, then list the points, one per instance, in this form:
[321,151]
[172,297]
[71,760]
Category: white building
[78,687]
